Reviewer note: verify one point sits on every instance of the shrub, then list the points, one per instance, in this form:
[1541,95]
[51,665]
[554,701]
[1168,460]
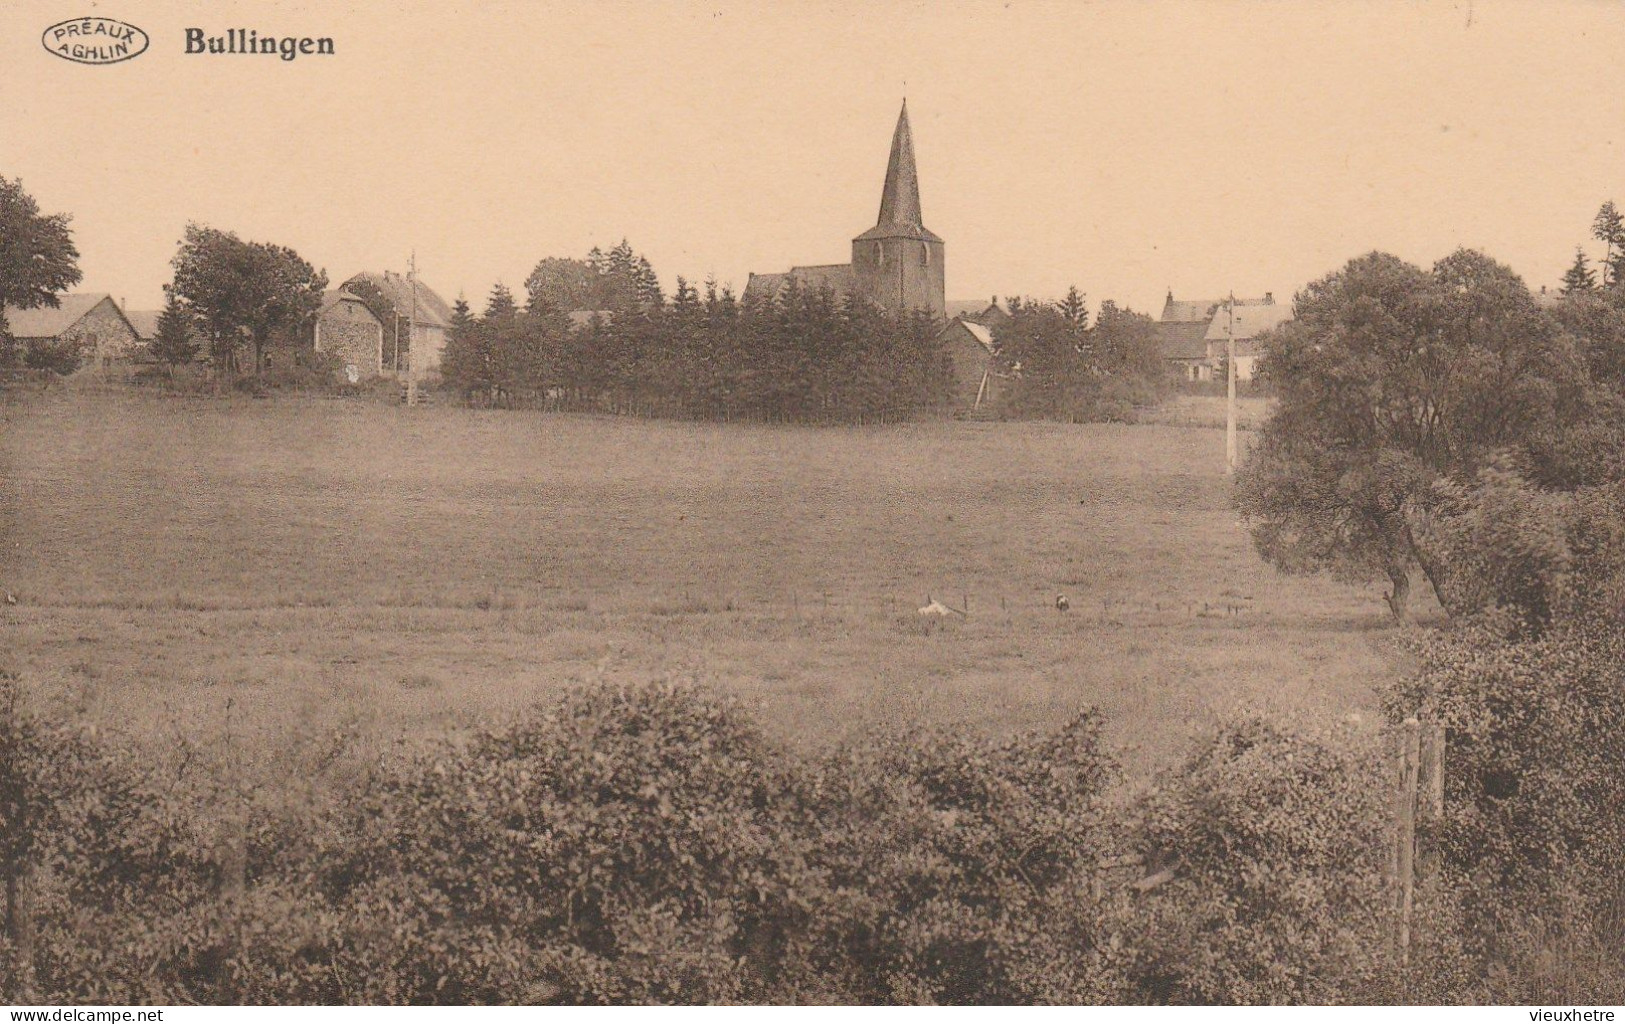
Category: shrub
[954,862]
[1273,846]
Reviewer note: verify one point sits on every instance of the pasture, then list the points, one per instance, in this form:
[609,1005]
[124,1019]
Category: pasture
[284,567]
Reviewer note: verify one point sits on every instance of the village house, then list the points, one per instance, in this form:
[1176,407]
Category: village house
[1194,334]
[1250,322]
[990,314]
[352,333]
[417,340]
[90,321]
[969,346]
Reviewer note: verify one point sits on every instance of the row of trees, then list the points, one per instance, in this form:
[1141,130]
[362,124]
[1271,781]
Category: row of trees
[810,356]
[807,357]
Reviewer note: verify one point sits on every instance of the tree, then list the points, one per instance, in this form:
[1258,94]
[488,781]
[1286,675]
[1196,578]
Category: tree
[244,291]
[1039,348]
[1390,381]
[1579,277]
[499,305]
[565,283]
[37,257]
[176,342]
[466,363]
[1608,227]
[1075,311]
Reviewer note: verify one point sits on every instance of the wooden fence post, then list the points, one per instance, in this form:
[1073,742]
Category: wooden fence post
[1430,799]
[1404,860]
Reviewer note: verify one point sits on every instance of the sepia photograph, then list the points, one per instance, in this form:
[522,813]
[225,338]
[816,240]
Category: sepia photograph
[996,503]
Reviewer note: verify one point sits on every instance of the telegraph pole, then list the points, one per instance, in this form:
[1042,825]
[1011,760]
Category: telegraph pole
[1230,390]
[412,333]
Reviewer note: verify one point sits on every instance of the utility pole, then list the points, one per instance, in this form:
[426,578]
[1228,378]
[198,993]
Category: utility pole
[1230,390]
[412,333]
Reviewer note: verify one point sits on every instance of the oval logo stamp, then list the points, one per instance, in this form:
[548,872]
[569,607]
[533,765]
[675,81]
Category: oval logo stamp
[94,40]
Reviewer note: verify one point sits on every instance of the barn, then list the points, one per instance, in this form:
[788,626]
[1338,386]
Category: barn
[91,322]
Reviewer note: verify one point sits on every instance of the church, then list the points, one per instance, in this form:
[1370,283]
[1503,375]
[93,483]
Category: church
[897,264]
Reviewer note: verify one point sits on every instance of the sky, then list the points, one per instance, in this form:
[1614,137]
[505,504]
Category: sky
[1129,148]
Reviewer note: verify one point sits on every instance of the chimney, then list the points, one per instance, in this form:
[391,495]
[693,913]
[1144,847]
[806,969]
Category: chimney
[124,303]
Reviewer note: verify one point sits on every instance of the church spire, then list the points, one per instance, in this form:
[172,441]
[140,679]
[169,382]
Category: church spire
[900,202]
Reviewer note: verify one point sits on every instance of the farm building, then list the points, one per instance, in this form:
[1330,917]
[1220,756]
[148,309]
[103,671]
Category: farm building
[969,346]
[417,339]
[1182,334]
[349,330]
[1193,333]
[90,321]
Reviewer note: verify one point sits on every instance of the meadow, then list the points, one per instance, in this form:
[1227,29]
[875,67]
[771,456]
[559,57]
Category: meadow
[298,565]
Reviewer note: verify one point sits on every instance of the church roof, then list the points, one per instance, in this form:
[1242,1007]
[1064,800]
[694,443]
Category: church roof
[837,277]
[764,286]
[900,199]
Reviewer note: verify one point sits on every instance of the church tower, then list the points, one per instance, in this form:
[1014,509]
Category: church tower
[898,263]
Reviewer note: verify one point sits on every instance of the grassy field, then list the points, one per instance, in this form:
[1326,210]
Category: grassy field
[312,563]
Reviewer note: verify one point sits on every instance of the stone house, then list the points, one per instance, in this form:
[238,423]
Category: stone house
[347,329]
[417,340]
[91,321]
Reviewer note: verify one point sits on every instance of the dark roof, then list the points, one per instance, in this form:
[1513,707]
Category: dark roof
[431,308]
[1252,319]
[334,296]
[48,322]
[1182,340]
[764,286]
[900,198]
[835,276]
[1187,311]
[145,322]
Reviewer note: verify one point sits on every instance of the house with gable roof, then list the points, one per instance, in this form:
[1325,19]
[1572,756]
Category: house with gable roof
[89,321]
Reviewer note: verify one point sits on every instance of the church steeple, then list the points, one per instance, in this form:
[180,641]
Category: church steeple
[898,263]
[900,201]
